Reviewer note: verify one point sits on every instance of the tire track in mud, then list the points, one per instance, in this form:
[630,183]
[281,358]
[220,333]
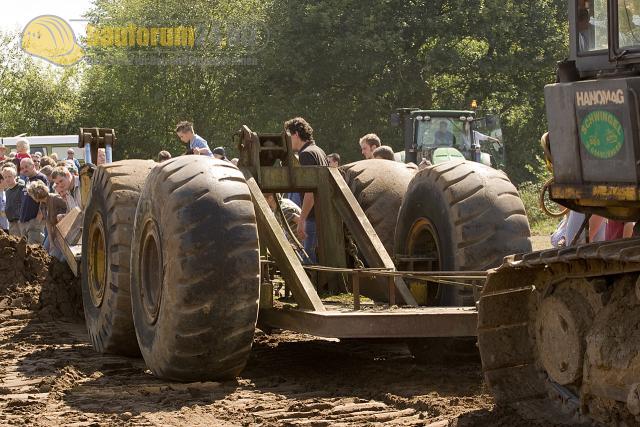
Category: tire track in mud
[50,375]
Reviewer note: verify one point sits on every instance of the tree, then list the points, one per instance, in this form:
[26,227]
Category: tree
[345,65]
[35,98]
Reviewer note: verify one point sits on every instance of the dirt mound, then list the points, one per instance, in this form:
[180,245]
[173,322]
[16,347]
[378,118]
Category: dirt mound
[32,282]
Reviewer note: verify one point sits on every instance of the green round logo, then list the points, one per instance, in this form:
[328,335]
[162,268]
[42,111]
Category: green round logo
[602,134]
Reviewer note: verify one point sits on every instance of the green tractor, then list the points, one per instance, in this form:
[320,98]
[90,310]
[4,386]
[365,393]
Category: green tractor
[456,212]
[438,136]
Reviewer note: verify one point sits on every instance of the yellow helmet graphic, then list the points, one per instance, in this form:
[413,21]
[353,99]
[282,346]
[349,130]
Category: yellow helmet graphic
[51,38]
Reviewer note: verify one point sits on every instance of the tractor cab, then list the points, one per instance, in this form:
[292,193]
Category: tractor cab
[443,135]
[593,142]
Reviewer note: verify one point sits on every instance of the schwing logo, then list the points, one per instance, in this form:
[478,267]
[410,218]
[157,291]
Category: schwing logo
[602,134]
[51,38]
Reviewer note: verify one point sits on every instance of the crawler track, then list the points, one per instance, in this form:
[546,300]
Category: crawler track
[558,333]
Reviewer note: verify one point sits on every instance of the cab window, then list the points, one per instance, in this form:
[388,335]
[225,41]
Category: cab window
[591,25]
[628,24]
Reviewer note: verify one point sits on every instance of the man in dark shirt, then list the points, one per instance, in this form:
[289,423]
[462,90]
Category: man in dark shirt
[32,227]
[14,189]
[309,154]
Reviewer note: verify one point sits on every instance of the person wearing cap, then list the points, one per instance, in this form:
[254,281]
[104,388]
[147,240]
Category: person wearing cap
[219,153]
[196,143]
[71,156]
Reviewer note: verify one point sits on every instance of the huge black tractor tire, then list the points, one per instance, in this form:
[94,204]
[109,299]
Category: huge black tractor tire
[456,216]
[106,243]
[379,187]
[195,272]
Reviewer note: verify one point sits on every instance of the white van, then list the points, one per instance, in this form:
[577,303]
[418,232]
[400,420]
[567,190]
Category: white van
[47,145]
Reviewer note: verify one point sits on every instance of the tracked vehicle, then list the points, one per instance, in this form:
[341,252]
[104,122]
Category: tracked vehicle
[559,330]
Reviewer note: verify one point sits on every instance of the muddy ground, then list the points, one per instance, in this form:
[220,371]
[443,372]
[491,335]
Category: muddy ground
[50,375]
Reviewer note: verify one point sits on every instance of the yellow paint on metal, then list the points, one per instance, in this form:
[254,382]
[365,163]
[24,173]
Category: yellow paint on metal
[599,192]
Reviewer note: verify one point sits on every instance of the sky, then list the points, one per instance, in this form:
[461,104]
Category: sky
[16,14]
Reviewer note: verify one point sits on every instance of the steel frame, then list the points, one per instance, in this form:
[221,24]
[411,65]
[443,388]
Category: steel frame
[269,166]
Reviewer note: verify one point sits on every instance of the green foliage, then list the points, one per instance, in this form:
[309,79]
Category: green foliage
[541,223]
[35,98]
[345,65]
[530,193]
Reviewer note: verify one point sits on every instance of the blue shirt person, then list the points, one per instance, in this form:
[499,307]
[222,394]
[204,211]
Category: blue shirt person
[196,143]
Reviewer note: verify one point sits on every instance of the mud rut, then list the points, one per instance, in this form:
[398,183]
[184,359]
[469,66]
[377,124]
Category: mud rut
[50,375]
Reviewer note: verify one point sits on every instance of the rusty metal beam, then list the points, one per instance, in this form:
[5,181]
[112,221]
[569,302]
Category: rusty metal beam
[281,250]
[617,192]
[403,323]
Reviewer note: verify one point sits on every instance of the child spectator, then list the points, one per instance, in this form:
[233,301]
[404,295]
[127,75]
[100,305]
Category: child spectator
[22,148]
[195,143]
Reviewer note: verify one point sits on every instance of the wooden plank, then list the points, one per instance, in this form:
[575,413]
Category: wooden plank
[363,232]
[281,250]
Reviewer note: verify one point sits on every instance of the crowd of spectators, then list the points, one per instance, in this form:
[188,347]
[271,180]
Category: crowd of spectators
[36,192]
